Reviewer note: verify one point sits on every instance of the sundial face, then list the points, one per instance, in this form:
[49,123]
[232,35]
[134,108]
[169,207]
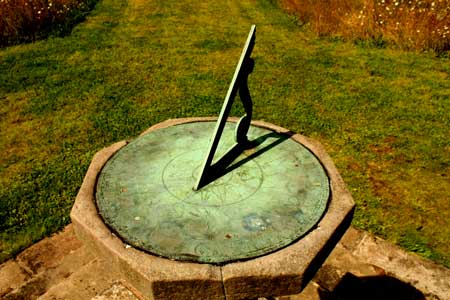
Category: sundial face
[179,173]
[270,196]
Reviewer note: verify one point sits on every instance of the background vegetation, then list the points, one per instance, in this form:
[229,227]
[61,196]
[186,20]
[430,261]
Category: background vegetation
[381,112]
[29,20]
[408,24]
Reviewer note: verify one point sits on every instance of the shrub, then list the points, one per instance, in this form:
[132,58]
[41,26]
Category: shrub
[29,20]
[409,24]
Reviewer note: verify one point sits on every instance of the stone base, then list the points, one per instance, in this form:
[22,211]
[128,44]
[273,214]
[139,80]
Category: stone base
[284,272]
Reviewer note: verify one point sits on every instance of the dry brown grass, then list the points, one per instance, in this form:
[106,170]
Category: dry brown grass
[409,24]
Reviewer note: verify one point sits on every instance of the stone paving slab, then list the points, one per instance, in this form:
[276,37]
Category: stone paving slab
[360,267]
[423,274]
[116,292]
[38,284]
[12,276]
[89,282]
[49,253]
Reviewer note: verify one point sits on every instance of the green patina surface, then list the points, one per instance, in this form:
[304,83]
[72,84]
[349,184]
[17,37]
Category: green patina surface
[271,196]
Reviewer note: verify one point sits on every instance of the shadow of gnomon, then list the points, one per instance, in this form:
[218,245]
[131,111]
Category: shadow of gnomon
[225,164]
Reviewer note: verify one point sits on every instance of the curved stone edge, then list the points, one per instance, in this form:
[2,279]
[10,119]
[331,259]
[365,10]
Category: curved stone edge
[152,276]
[286,271]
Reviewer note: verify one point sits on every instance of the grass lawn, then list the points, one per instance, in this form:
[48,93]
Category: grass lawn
[382,114]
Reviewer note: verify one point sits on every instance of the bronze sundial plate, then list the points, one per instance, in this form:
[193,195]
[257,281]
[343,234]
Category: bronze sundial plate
[269,197]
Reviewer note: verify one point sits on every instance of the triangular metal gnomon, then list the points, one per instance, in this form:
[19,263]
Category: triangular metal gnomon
[209,171]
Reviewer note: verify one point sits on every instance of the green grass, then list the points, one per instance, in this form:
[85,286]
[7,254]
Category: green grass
[382,114]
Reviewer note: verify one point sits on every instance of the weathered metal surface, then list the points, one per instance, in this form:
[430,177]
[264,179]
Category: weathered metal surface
[239,83]
[270,196]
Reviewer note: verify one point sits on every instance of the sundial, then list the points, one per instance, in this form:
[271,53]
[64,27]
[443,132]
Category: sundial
[209,208]
[214,191]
